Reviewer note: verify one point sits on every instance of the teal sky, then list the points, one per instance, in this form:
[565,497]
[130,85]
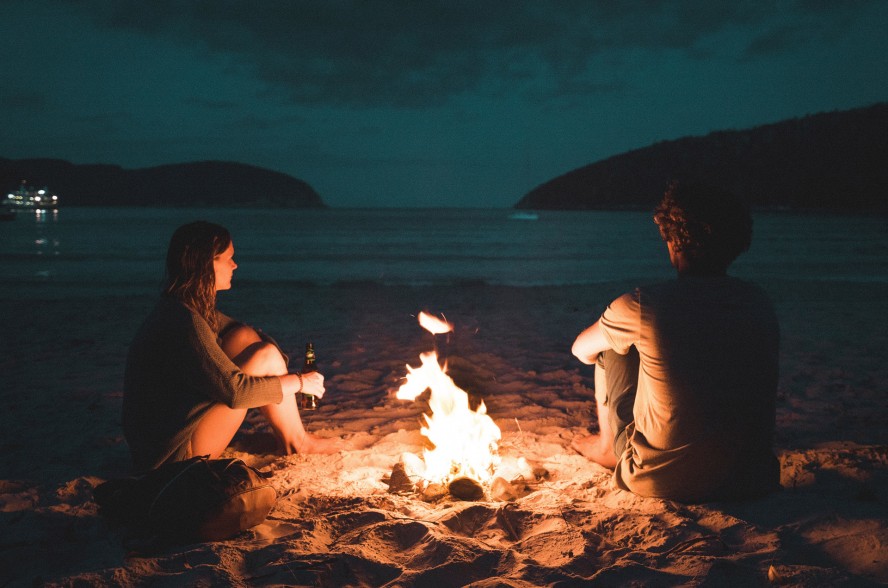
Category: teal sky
[419,103]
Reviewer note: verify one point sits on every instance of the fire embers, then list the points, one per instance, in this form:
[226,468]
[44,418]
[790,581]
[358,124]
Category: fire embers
[512,480]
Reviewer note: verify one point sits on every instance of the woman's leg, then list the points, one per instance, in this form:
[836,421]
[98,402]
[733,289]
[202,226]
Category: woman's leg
[259,358]
[216,430]
[217,427]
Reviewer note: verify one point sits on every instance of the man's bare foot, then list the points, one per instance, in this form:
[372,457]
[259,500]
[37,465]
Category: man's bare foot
[594,447]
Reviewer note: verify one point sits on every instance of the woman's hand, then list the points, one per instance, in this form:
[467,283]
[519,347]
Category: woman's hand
[313,383]
[310,383]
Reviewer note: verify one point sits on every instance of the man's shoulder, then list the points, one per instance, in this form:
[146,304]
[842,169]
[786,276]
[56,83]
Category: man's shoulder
[719,284]
[628,300]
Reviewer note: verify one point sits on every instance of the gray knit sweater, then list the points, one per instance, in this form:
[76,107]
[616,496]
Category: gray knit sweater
[175,371]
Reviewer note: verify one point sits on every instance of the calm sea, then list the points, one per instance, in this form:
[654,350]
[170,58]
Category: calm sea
[123,248]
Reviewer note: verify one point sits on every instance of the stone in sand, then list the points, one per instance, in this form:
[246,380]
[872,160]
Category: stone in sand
[501,489]
[399,482]
[434,492]
[466,489]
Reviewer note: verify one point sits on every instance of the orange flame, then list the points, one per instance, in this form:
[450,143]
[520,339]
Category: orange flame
[464,440]
[433,324]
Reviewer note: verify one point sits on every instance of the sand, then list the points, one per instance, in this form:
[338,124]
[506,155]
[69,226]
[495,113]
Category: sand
[337,524]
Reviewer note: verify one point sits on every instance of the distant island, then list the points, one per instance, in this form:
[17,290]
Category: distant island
[836,161]
[203,183]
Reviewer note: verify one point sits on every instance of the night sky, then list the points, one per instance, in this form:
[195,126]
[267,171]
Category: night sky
[419,103]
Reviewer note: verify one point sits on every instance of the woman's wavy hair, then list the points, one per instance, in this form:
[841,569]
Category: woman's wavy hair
[709,225]
[190,276]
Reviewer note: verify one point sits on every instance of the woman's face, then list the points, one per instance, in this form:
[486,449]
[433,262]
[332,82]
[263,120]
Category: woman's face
[224,266]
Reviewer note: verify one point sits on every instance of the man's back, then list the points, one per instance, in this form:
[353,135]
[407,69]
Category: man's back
[704,410]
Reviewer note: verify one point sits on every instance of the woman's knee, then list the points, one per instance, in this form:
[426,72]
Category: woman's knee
[239,338]
[262,359]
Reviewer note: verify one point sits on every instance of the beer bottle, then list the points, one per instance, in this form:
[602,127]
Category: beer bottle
[309,401]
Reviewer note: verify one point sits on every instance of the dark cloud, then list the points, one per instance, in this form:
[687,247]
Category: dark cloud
[105,123]
[13,100]
[263,123]
[818,21]
[415,54]
[777,40]
[212,104]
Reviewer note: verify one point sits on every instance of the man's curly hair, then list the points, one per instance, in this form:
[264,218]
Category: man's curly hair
[709,225]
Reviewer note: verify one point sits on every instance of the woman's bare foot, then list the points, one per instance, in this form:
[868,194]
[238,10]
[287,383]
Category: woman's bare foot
[313,444]
[594,447]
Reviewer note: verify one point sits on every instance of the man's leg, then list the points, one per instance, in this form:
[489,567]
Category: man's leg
[599,447]
[621,374]
[616,382]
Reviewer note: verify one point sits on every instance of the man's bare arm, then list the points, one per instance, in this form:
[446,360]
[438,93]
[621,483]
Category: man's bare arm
[589,344]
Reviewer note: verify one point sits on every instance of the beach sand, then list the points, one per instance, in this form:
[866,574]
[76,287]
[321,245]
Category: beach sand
[62,352]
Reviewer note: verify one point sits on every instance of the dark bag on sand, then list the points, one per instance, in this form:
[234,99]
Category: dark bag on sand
[199,499]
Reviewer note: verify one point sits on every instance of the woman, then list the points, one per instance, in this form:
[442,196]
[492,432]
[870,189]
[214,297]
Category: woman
[192,372]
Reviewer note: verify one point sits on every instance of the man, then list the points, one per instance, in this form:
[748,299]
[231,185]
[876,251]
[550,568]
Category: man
[686,375]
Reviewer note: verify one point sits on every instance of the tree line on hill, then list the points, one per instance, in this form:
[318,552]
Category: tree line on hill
[836,161]
[204,183]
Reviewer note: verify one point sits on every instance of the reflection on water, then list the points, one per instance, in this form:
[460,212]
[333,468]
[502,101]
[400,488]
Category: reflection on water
[46,235]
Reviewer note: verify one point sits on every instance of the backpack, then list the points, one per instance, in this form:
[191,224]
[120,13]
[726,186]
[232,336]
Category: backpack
[198,499]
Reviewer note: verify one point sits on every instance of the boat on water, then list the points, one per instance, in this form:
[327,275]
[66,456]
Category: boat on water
[29,198]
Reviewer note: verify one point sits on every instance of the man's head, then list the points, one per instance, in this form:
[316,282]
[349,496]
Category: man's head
[705,227]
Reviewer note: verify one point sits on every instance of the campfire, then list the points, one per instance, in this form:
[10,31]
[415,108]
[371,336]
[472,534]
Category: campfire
[463,457]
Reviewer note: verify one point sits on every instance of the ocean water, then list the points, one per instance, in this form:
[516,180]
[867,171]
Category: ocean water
[123,248]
